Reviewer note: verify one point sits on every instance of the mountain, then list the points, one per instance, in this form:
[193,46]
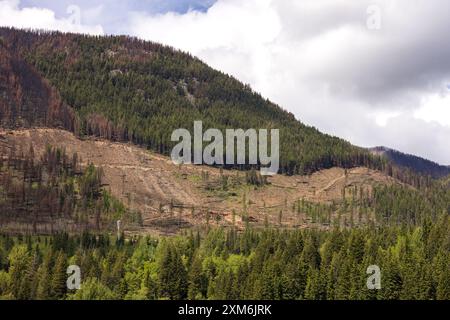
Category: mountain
[88,192]
[413,162]
[113,102]
[125,89]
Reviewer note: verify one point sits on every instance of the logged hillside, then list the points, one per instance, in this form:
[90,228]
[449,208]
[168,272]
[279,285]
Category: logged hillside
[50,192]
[412,162]
[165,198]
[125,89]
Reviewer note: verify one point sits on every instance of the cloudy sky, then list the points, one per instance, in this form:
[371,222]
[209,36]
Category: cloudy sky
[373,72]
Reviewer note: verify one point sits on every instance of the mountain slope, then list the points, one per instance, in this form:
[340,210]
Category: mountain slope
[164,198]
[170,197]
[415,163]
[49,192]
[26,98]
[126,89]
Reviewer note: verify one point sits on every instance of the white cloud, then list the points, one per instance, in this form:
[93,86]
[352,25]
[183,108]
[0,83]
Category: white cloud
[317,59]
[435,108]
[11,15]
[382,118]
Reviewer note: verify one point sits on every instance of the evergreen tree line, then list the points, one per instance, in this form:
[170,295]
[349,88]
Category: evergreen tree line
[381,205]
[224,264]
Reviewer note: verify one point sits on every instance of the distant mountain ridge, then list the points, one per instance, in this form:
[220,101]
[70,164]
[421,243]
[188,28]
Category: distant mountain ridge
[413,162]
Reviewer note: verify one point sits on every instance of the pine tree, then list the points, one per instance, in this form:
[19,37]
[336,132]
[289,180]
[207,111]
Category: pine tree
[443,276]
[173,280]
[44,277]
[19,260]
[310,252]
[198,283]
[58,286]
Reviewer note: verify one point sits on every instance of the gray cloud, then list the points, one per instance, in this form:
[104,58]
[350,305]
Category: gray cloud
[318,59]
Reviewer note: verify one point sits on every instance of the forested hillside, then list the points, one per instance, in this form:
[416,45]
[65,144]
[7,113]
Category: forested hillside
[126,89]
[412,162]
[235,235]
[26,99]
[228,265]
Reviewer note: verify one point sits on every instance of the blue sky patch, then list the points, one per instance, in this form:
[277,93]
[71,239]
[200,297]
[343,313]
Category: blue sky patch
[114,13]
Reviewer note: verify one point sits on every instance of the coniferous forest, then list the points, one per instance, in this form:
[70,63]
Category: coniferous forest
[56,212]
[223,264]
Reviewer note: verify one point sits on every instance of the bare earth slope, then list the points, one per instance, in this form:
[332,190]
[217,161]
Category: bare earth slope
[171,197]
